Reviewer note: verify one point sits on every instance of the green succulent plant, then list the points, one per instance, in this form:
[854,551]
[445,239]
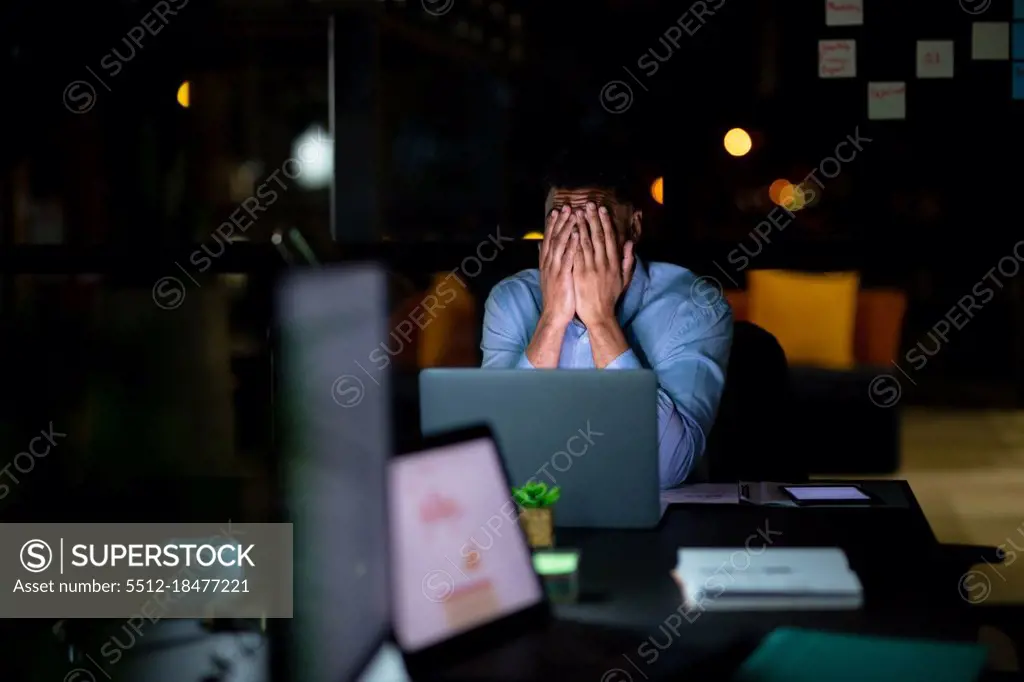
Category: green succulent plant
[536,495]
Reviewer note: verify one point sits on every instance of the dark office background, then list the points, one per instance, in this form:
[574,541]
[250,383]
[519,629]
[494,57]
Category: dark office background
[441,128]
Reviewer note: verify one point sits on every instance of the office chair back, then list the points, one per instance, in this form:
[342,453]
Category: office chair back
[749,439]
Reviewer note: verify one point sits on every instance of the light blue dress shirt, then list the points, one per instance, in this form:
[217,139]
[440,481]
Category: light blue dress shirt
[675,323]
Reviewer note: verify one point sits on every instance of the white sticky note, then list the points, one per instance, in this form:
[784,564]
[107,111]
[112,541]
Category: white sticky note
[844,12]
[837,58]
[990,40]
[887,101]
[935,59]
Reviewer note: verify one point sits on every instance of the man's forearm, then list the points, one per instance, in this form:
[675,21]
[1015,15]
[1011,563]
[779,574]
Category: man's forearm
[607,342]
[546,345]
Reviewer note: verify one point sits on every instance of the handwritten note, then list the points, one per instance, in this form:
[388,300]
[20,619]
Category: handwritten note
[844,12]
[1018,81]
[837,58]
[887,101]
[935,59]
[990,40]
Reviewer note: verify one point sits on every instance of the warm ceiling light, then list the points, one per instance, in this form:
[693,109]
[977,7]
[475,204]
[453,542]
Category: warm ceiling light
[776,188]
[737,142]
[184,92]
[658,190]
[533,235]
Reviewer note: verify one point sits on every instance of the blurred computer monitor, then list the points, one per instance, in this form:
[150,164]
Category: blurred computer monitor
[335,421]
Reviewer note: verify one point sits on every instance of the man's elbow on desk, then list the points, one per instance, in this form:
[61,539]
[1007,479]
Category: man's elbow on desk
[679,454]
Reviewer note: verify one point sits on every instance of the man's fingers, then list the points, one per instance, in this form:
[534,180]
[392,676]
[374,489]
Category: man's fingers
[557,219]
[549,231]
[571,249]
[549,223]
[611,245]
[561,241]
[596,235]
[586,242]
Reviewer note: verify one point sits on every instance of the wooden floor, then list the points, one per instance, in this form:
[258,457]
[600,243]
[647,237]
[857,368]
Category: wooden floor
[967,470]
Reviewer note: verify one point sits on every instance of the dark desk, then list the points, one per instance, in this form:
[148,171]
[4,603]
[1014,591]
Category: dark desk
[911,589]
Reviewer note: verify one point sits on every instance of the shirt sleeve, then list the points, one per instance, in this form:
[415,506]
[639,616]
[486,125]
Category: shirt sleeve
[690,364]
[691,369]
[503,341]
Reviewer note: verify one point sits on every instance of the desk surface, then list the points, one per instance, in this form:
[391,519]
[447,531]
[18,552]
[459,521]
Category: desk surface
[909,588]
[625,582]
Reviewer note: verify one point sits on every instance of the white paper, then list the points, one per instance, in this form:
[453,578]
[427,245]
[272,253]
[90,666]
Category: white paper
[844,12]
[935,59]
[702,493]
[990,40]
[837,58]
[887,101]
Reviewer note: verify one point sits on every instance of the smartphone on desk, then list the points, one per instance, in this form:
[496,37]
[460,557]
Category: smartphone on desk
[810,494]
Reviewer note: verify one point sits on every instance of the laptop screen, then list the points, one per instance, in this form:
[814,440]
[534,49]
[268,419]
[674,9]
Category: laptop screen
[460,558]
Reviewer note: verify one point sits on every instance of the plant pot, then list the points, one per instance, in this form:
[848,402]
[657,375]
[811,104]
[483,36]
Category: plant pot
[539,526]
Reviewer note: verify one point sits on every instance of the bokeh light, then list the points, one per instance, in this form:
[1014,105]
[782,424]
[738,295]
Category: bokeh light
[184,94]
[776,188]
[737,142]
[791,197]
[533,235]
[658,190]
[314,150]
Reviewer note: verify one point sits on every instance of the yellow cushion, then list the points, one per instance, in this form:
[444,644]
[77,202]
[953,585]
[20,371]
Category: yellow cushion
[812,315]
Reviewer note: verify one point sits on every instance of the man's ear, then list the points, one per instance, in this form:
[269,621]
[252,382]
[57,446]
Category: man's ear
[636,225]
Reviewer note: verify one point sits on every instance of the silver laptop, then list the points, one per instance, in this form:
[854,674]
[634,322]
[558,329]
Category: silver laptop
[592,433]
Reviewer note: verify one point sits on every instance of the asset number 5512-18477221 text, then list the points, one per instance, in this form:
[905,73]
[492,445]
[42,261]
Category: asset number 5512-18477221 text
[186,585]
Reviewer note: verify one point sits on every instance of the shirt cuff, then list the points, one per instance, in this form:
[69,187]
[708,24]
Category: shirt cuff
[627,360]
[524,363]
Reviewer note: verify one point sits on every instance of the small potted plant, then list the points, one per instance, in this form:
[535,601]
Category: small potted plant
[536,515]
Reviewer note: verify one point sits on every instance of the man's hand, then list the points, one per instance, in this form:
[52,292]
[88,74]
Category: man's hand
[600,274]
[557,255]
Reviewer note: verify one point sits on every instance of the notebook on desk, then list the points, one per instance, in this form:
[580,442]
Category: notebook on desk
[768,578]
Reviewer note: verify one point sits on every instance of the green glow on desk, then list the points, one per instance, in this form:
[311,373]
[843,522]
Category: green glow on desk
[555,563]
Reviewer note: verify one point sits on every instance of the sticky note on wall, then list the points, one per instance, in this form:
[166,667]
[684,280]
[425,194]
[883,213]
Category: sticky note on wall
[887,101]
[837,58]
[935,59]
[1018,9]
[844,12]
[990,40]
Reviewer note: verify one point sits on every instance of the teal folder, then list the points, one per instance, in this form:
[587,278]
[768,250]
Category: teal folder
[795,655]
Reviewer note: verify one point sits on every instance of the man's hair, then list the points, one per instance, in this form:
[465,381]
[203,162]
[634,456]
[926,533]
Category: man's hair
[598,161]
